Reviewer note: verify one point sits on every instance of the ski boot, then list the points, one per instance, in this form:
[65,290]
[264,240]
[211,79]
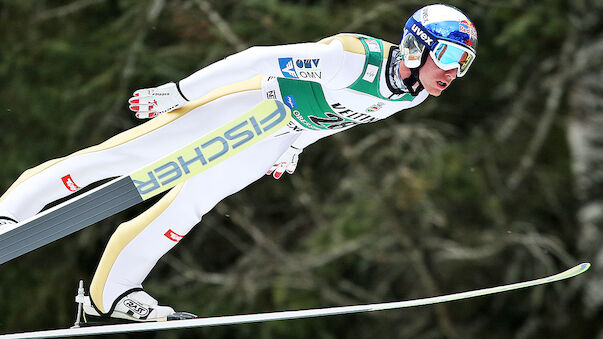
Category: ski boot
[135,306]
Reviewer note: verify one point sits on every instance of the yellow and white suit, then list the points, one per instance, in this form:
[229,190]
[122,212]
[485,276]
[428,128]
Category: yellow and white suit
[330,86]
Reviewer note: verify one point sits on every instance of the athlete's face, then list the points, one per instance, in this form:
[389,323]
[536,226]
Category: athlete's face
[435,79]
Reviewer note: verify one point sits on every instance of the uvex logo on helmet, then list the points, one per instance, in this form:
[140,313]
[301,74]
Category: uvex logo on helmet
[422,35]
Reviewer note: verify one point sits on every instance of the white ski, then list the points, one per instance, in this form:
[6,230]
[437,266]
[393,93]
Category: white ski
[286,315]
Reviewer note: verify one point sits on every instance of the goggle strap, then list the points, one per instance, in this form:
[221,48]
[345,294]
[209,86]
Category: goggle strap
[453,44]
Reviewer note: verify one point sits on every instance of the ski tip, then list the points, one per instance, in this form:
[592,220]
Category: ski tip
[572,272]
[583,267]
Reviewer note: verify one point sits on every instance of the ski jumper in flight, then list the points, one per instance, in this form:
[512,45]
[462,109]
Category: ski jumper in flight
[329,86]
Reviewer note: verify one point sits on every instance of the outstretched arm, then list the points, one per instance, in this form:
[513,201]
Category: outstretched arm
[280,61]
[320,61]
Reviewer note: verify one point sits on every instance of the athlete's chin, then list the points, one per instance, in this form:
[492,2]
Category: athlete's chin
[436,92]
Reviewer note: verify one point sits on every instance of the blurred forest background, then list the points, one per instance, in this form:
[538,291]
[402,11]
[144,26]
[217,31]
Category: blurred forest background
[497,181]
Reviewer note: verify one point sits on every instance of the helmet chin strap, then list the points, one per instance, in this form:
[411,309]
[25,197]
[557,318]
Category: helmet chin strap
[413,79]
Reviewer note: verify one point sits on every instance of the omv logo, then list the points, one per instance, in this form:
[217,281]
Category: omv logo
[288,68]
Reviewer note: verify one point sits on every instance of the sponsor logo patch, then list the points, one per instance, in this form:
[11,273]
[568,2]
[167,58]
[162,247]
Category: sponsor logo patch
[468,27]
[173,236]
[211,149]
[351,114]
[375,107]
[69,183]
[136,307]
[290,101]
[307,63]
[371,73]
[288,68]
[373,46]
[300,68]
[427,38]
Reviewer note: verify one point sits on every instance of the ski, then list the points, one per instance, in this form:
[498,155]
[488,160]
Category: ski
[288,315]
[121,193]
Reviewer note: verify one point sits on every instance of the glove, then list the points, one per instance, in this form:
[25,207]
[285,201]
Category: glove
[286,162]
[150,102]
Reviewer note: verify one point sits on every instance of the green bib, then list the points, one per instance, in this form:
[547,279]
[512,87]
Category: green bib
[368,81]
[307,101]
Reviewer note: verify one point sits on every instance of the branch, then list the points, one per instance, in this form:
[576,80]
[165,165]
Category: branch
[62,11]
[418,260]
[518,110]
[151,17]
[557,89]
[542,130]
[370,16]
[223,27]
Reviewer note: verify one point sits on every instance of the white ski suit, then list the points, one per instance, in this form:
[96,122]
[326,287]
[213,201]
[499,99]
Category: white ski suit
[330,86]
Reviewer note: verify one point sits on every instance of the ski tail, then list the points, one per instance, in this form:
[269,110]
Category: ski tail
[68,217]
[119,194]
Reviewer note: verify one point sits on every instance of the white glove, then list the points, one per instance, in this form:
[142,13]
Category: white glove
[150,102]
[287,162]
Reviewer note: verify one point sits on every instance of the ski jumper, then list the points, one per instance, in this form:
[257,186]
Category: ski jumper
[330,86]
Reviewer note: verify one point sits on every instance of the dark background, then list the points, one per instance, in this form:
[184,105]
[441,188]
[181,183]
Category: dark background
[497,181]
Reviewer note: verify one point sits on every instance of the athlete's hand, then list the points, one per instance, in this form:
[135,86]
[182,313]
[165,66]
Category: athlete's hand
[286,163]
[150,102]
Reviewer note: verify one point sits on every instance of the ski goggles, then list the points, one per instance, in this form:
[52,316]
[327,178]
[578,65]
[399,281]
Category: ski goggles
[448,55]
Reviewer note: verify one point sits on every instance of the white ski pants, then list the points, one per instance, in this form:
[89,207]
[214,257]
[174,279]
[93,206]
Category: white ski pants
[137,245]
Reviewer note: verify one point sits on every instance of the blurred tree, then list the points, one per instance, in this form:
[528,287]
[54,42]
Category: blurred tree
[584,127]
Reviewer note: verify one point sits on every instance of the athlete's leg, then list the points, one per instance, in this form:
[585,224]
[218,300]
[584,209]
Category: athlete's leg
[135,247]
